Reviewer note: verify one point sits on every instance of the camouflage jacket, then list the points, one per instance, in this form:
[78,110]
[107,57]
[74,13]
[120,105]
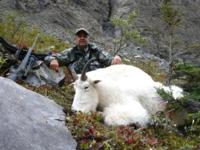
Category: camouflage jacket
[76,58]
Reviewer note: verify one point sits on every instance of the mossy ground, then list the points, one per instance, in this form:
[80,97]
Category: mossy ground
[91,133]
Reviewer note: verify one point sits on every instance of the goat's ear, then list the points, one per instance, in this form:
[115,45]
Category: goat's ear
[96,81]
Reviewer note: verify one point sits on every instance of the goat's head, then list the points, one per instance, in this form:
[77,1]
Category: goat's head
[86,95]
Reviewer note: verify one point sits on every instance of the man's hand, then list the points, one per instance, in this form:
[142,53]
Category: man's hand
[54,65]
[116,60]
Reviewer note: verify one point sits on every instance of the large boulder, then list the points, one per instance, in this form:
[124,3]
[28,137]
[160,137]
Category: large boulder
[29,121]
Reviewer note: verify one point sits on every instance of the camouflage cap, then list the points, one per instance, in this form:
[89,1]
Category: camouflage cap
[81,30]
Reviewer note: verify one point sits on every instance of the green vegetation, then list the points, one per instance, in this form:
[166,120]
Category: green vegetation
[2,61]
[61,95]
[128,31]
[15,30]
[189,77]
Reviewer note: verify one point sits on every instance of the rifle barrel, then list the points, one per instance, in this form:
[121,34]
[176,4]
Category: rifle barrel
[26,58]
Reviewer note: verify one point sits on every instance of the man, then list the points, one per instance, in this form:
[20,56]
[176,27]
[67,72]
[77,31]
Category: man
[76,57]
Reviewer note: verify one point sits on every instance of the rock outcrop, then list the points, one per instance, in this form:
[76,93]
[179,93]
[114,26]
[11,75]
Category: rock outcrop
[61,17]
[29,121]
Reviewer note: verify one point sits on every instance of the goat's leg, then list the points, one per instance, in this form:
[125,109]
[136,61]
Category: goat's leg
[126,113]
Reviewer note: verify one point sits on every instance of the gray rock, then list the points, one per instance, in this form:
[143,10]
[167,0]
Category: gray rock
[153,28]
[29,121]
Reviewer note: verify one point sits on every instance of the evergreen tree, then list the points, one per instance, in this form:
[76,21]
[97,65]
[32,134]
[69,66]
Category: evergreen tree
[173,19]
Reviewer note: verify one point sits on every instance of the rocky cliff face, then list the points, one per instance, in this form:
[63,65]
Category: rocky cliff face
[62,17]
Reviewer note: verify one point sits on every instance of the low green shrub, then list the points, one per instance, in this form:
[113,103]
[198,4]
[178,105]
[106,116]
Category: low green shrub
[16,31]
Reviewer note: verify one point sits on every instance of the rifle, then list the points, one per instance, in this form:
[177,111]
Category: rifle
[19,53]
[25,65]
[32,69]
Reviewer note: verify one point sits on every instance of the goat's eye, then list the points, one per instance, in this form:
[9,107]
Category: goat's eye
[86,87]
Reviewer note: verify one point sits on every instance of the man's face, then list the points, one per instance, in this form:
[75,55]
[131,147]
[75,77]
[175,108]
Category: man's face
[81,39]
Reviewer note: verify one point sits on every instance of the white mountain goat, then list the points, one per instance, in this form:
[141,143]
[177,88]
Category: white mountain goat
[125,93]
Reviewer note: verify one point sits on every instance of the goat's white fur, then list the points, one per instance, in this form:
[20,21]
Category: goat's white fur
[125,93]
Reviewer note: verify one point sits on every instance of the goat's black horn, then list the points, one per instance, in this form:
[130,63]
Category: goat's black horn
[83,74]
